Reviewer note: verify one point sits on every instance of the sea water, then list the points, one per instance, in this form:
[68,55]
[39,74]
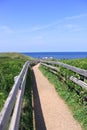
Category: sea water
[57,55]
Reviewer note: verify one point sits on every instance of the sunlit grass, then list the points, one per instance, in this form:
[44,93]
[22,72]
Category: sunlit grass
[78,109]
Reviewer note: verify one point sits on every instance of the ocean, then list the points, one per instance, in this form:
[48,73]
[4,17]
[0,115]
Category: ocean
[57,55]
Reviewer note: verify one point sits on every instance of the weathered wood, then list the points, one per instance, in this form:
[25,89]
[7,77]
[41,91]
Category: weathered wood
[74,69]
[79,82]
[8,106]
[16,114]
[72,78]
[50,66]
[54,72]
[15,78]
[14,124]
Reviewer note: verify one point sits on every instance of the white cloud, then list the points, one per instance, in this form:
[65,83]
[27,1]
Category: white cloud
[59,22]
[38,28]
[77,16]
[70,26]
[6,29]
[39,37]
[51,26]
[73,27]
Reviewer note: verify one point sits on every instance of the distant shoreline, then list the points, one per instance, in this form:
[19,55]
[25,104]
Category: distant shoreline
[57,55]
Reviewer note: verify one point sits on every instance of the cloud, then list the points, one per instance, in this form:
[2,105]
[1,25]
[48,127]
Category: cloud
[60,22]
[70,26]
[54,25]
[73,27]
[77,16]
[38,28]
[39,37]
[6,29]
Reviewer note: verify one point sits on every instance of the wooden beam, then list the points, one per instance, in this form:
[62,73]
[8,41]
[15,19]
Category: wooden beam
[72,68]
[50,67]
[79,82]
[72,78]
[14,124]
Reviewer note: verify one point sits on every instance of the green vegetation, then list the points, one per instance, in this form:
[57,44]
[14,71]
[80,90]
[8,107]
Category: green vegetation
[10,66]
[26,122]
[80,63]
[8,70]
[14,55]
[70,92]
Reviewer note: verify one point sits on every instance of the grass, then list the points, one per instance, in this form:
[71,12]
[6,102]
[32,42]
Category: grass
[8,70]
[73,100]
[26,122]
[10,66]
[15,55]
[80,63]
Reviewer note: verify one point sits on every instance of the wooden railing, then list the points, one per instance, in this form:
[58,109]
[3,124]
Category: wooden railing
[74,69]
[10,114]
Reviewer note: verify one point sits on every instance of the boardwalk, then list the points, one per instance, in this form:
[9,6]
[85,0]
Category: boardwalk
[51,112]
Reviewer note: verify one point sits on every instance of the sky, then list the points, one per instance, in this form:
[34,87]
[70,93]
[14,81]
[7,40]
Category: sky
[43,25]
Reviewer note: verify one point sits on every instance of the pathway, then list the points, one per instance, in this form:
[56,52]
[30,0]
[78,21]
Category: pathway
[51,112]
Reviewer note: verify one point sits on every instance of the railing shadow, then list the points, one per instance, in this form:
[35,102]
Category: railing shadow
[39,119]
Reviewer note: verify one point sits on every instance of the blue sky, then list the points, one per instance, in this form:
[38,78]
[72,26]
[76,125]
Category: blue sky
[43,25]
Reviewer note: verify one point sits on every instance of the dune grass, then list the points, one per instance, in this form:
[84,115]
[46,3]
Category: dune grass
[14,55]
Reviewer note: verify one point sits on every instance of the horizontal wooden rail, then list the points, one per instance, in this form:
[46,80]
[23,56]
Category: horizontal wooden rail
[79,82]
[72,68]
[50,67]
[10,101]
[72,78]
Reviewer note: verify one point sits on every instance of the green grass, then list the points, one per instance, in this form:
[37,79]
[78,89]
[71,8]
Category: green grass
[26,122]
[8,70]
[78,109]
[10,66]
[80,63]
[15,55]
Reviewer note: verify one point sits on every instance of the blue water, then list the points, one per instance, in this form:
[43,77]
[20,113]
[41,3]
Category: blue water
[57,55]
